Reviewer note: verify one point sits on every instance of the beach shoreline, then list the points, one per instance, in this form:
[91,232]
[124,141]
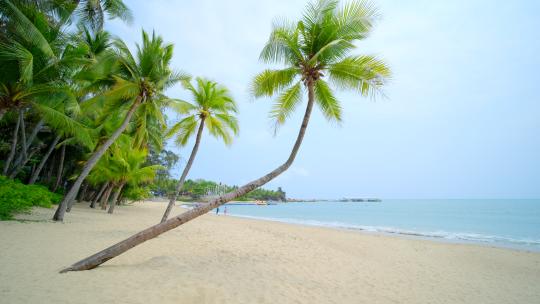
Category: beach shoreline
[407,235]
[227,259]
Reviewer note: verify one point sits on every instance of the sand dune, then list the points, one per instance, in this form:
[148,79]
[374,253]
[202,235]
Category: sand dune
[230,260]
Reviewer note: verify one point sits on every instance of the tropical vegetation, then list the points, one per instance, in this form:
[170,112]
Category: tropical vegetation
[84,115]
[16,197]
[315,52]
[203,190]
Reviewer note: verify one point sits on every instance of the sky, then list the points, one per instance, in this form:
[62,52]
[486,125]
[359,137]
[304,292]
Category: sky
[459,119]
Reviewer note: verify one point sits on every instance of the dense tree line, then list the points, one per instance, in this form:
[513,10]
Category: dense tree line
[200,189]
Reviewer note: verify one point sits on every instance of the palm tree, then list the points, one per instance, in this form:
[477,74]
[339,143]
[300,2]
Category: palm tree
[35,64]
[141,79]
[213,107]
[316,46]
[128,168]
[93,12]
[121,165]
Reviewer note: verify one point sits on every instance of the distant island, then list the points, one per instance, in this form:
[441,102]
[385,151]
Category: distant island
[361,200]
[355,200]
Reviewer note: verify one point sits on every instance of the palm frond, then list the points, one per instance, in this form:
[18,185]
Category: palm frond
[366,74]
[56,118]
[327,102]
[282,45]
[181,106]
[286,104]
[231,122]
[117,9]
[183,130]
[218,129]
[14,51]
[269,82]
[355,19]
[23,27]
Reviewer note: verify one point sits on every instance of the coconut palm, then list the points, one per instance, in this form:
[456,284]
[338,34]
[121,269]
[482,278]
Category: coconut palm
[121,165]
[93,12]
[213,108]
[312,49]
[128,168]
[35,64]
[141,79]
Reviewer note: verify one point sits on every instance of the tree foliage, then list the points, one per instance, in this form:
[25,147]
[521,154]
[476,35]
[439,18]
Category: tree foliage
[316,50]
[76,100]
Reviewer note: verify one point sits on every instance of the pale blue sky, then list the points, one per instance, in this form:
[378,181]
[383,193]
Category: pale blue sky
[461,118]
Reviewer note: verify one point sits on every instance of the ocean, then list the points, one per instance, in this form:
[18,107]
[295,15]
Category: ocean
[497,222]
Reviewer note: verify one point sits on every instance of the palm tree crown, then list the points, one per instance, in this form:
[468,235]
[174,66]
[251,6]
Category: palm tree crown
[93,12]
[140,81]
[317,47]
[213,104]
[213,107]
[124,165]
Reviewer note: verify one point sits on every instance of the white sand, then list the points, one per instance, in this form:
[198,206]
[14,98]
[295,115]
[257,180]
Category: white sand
[230,260]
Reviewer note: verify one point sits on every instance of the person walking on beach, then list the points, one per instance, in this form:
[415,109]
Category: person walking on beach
[225,210]
[217,211]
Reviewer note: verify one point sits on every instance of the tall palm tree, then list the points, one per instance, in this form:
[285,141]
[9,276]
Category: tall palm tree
[315,47]
[213,107]
[141,79]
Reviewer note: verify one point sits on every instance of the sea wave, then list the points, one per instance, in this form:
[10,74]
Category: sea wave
[524,243]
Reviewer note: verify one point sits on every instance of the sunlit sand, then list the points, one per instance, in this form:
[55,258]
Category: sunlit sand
[222,259]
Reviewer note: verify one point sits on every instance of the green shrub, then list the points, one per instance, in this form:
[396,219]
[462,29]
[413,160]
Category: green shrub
[137,193]
[16,197]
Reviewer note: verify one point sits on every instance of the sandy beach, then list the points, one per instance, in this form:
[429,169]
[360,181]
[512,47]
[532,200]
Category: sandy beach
[221,259]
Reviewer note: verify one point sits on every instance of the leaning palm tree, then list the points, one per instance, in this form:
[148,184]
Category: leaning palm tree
[314,48]
[213,107]
[141,79]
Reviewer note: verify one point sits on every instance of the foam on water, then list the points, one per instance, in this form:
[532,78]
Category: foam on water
[531,244]
[491,222]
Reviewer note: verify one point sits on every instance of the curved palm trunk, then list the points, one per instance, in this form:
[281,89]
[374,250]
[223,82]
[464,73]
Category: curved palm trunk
[91,162]
[19,168]
[185,172]
[83,193]
[80,198]
[98,196]
[115,198]
[23,134]
[29,141]
[13,147]
[105,198]
[35,176]
[149,233]
[60,169]
[120,198]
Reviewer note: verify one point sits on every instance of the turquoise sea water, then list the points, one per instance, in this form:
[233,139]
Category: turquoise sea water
[507,223]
